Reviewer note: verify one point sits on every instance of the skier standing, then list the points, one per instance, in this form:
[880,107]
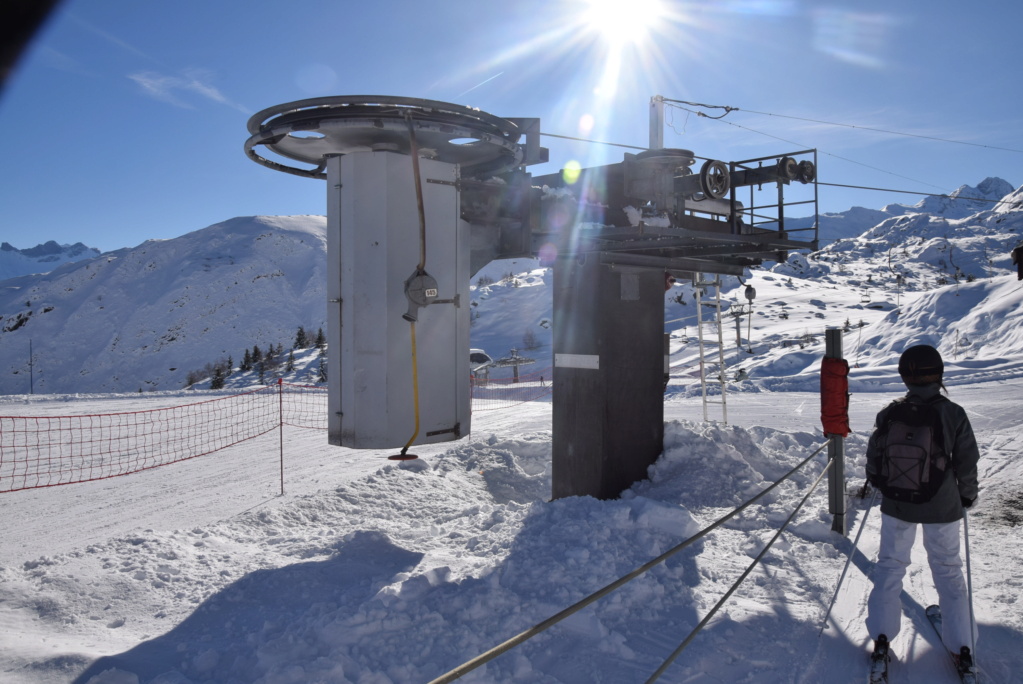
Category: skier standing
[921,368]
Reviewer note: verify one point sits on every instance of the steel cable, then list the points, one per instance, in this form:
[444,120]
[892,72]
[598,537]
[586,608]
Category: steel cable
[487,656]
[696,630]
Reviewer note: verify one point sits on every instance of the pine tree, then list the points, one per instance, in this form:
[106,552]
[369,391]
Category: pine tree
[301,339]
[217,382]
[323,369]
[246,362]
[230,367]
[270,360]
[321,342]
[290,366]
[259,363]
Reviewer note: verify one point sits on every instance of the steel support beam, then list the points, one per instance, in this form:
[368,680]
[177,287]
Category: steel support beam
[608,416]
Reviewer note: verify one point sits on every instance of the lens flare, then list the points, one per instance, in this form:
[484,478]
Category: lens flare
[547,254]
[623,22]
[571,172]
[586,122]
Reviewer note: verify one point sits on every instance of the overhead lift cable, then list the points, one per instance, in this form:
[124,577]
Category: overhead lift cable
[604,142]
[791,142]
[595,142]
[928,194]
[729,110]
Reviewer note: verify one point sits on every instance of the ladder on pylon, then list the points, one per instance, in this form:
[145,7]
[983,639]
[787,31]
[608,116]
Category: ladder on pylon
[711,338]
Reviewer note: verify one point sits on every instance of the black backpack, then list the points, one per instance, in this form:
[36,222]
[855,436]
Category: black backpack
[913,455]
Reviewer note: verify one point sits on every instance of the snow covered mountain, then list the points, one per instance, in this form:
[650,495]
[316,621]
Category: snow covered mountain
[142,318]
[41,258]
[964,201]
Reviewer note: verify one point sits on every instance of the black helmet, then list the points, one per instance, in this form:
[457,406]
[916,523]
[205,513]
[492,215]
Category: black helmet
[921,365]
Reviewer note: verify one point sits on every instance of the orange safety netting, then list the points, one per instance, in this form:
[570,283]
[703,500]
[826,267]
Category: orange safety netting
[489,394]
[46,451]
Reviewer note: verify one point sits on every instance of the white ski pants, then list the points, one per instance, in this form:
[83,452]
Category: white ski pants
[941,542]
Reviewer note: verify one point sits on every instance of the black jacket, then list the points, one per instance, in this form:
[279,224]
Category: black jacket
[960,479]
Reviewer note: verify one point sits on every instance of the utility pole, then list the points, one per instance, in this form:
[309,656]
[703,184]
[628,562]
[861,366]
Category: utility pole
[751,294]
[836,445]
[656,122]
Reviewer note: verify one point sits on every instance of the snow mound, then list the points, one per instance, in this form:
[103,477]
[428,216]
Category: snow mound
[403,574]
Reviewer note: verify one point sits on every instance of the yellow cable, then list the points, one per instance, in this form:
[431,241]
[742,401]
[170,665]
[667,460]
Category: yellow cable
[415,387]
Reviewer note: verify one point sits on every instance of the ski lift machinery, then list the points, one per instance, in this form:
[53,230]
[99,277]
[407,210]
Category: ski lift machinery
[422,194]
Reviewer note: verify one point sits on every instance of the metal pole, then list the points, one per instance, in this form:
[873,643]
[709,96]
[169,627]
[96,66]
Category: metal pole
[969,589]
[656,122]
[31,371]
[848,561]
[697,280]
[749,330]
[280,425]
[836,447]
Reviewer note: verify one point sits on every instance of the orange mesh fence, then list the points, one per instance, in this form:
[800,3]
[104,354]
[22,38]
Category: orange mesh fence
[46,451]
[55,450]
[493,393]
[304,406]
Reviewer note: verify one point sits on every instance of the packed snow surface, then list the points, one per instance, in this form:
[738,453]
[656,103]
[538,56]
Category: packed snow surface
[371,571]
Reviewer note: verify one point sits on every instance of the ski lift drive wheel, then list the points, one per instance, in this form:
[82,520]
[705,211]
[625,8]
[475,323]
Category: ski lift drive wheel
[807,171]
[715,180]
[788,168]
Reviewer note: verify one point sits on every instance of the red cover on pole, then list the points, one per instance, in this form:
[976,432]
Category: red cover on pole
[835,396]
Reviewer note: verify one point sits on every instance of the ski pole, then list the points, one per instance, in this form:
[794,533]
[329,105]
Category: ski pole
[848,561]
[969,589]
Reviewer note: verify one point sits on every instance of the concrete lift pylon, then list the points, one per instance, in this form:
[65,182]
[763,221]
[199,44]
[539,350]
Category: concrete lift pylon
[610,233]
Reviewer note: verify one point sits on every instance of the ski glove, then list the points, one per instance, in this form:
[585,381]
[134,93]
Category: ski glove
[966,502]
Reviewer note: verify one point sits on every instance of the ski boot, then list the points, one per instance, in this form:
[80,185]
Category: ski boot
[879,661]
[964,665]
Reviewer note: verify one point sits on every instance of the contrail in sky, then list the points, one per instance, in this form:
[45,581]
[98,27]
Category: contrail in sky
[479,84]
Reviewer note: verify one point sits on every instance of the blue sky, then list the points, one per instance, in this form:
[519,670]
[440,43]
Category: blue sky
[125,120]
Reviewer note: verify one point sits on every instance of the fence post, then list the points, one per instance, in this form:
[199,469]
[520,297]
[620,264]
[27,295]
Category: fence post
[836,447]
[280,424]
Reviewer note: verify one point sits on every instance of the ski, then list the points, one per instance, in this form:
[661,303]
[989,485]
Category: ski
[879,661]
[962,661]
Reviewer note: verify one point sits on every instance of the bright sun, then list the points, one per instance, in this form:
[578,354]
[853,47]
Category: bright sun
[620,21]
